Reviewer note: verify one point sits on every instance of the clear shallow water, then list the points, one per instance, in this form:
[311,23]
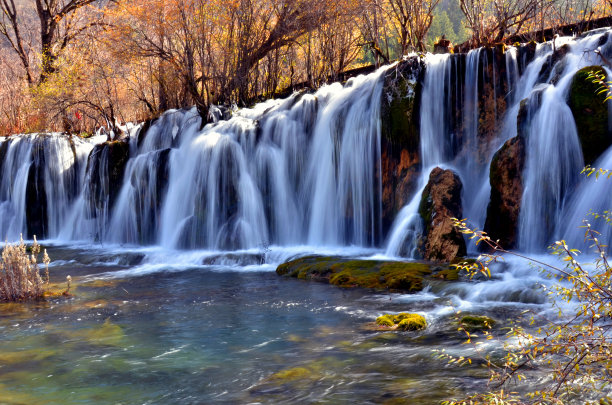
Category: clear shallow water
[236,334]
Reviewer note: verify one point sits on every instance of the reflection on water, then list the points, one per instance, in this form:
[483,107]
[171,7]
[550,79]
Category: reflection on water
[220,335]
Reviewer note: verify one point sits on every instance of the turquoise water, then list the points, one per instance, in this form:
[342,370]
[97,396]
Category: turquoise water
[223,334]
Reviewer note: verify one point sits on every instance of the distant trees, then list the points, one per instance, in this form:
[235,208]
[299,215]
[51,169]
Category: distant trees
[491,20]
[412,19]
[216,48]
[75,65]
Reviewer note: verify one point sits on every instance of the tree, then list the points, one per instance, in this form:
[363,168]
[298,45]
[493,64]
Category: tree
[491,20]
[215,46]
[412,19]
[59,23]
[576,351]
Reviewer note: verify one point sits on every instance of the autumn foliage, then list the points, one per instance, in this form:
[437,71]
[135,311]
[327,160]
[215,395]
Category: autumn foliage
[81,65]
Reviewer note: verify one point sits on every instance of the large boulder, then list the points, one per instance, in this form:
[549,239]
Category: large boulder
[400,163]
[441,201]
[506,178]
[590,114]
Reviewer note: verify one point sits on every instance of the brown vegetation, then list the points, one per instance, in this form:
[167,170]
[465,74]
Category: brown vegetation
[20,277]
[78,65]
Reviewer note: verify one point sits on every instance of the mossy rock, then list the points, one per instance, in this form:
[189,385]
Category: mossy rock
[381,275]
[402,321]
[347,273]
[590,113]
[401,104]
[473,323]
[385,320]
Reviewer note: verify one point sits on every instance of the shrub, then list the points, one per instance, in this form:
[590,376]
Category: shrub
[20,277]
[576,350]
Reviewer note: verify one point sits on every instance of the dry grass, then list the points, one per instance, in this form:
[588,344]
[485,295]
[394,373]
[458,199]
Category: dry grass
[20,277]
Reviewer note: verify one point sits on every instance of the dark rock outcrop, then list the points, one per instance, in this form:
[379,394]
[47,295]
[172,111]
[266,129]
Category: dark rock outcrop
[506,178]
[443,46]
[36,194]
[441,201]
[493,87]
[590,113]
[400,163]
[142,132]
[526,53]
[106,167]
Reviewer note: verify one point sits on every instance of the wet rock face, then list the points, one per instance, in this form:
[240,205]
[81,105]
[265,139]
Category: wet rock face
[400,163]
[105,168]
[590,114]
[36,195]
[526,53]
[506,178]
[492,90]
[441,201]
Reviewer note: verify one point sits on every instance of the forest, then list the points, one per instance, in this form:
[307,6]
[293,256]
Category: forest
[81,65]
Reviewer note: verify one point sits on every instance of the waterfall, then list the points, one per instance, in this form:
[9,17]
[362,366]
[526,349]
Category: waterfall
[553,150]
[435,148]
[554,157]
[307,170]
[41,177]
[297,171]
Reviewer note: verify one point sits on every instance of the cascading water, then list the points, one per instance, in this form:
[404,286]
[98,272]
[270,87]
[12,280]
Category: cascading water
[306,170]
[42,175]
[435,148]
[554,158]
[295,171]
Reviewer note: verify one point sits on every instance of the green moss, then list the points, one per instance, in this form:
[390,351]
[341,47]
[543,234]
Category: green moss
[449,274]
[590,114]
[402,321]
[347,273]
[385,320]
[426,209]
[472,323]
[375,274]
[413,322]
[398,124]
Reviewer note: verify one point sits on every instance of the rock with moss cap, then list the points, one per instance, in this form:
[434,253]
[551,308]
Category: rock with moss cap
[346,272]
[590,113]
[402,321]
[474,323]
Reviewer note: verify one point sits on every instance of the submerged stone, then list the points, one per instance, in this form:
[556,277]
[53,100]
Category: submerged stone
[376,274]
[473,323]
